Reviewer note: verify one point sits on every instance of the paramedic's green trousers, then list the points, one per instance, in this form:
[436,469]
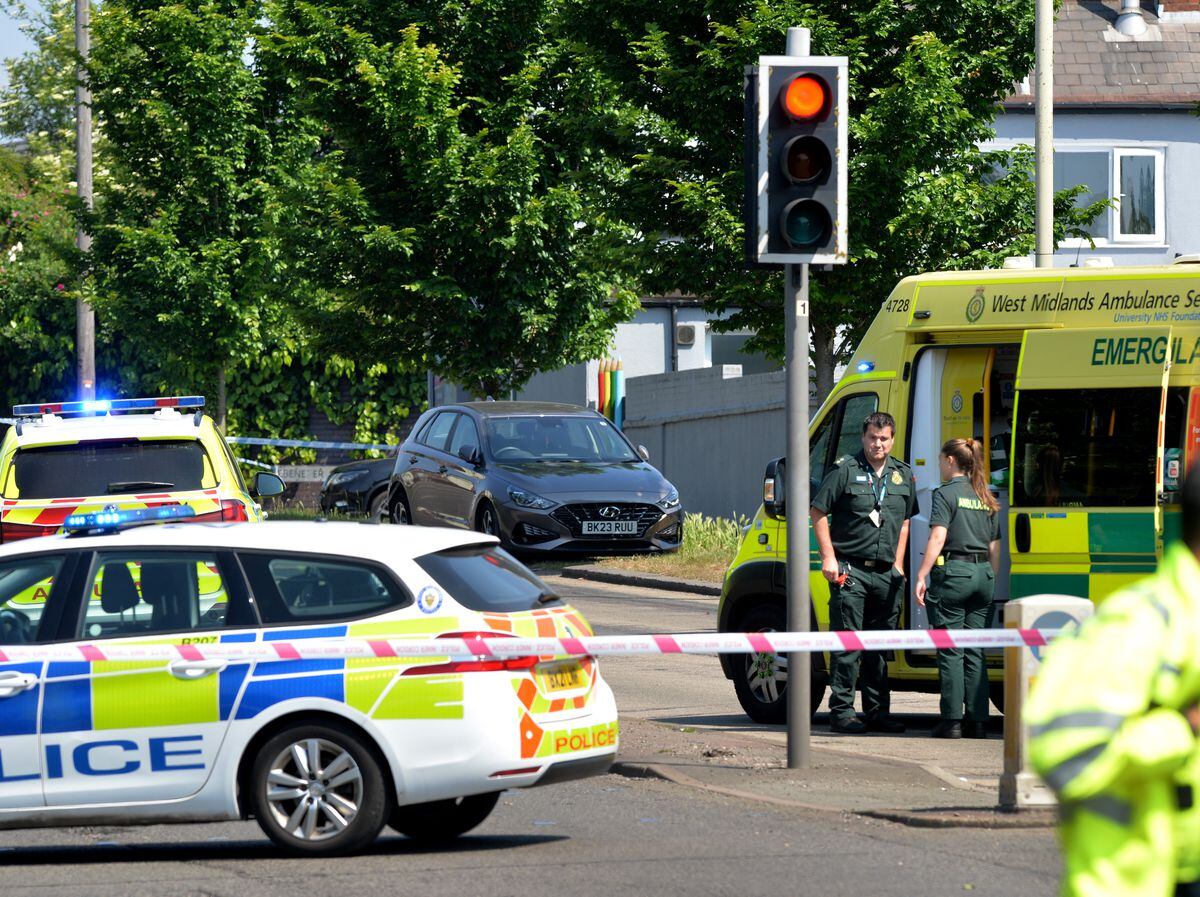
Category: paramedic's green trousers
[960,597]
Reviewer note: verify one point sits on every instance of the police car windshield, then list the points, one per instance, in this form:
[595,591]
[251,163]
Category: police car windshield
[109,467]
[549,437]
[487,579]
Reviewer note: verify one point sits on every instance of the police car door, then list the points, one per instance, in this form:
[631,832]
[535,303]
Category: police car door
[146,731]
[32,588]
[1087,459]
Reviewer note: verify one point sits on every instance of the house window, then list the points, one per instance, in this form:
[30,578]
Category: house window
[1134,177]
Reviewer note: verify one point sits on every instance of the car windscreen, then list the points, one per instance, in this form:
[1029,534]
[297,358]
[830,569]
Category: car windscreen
[550,437]
[487,579]
[108,467]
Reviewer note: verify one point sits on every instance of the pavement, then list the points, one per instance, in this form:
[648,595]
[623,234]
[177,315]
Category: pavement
[909,778]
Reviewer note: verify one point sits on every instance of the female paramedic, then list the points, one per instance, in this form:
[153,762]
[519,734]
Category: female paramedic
[963,554]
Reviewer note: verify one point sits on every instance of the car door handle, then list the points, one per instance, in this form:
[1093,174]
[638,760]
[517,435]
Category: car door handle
[13,683]
[197,669]
[442,468]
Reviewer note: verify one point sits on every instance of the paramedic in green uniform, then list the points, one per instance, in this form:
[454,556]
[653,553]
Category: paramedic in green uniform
[860,519]
[963,554]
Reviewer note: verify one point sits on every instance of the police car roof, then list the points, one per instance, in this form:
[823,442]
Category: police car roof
[59,430]
[359,540]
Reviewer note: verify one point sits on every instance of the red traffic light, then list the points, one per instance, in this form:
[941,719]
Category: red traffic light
[806,97]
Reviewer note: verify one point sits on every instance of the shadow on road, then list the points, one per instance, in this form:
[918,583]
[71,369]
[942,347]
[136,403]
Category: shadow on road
[919,724]
[248,850]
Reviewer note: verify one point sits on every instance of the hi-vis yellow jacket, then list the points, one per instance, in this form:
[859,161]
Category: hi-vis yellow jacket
[1108,733]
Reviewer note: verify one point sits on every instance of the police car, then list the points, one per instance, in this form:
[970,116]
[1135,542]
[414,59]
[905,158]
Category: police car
[321,752]
[63,458]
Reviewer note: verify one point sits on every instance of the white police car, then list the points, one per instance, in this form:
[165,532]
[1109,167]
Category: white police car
[322,752]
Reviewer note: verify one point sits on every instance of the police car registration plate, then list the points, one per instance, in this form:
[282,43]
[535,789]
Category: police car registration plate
[561,676]
[610,527]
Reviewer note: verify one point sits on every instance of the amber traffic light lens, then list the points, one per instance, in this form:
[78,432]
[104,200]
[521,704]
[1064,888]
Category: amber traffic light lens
[806,159]
[806,97]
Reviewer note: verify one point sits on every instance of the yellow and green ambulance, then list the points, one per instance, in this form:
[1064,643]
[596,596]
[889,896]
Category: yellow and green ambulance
[1083,384]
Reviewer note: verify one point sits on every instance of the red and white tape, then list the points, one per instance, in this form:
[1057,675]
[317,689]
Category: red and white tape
[501,647]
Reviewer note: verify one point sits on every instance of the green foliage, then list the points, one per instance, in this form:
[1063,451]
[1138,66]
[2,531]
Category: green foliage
[468,230]
[925,83]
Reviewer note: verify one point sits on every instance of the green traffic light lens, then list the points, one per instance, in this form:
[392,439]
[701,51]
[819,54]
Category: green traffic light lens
[806,224]
[805,159]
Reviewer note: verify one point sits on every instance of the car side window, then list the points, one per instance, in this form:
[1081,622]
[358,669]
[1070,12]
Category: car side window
[293,588]
[25,586]
[136,593]
[438,433]
[465,434]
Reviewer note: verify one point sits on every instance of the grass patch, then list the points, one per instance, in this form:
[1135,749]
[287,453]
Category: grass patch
[709,544]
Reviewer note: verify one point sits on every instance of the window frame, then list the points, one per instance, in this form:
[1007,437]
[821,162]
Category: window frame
[1119,154]
[384,572]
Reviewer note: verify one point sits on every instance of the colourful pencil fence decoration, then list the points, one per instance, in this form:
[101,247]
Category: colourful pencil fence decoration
[611,401]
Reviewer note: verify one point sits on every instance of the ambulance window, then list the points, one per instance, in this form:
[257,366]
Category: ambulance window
[1086,448]
[1174,440]
[24,589]
[847,417]
[290,588]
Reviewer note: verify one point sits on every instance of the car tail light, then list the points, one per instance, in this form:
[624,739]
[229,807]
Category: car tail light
[490,665]
[232,511]
[15,532]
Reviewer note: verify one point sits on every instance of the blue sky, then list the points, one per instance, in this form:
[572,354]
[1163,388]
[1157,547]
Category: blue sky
[12,42]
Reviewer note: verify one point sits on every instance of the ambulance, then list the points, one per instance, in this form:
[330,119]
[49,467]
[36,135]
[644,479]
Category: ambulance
[1083,384]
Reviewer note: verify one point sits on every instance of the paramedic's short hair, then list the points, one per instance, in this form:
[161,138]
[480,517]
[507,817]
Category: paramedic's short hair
[880,420]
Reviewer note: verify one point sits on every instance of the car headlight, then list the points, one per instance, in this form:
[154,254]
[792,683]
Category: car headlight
[345,476]
[529,499]
[670,501]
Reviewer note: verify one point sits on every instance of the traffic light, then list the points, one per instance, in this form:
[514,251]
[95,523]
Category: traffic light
[796,154]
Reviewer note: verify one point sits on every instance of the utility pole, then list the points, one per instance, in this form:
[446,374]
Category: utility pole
[85,318]
[1044,134]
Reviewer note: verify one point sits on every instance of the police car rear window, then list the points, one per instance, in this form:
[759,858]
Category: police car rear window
[107,467]
[487,579]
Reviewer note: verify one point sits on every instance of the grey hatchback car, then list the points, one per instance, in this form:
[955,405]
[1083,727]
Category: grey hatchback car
[541,476]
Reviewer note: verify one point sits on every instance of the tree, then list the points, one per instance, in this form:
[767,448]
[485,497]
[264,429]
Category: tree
[925,83]
[185,248]
[463,227]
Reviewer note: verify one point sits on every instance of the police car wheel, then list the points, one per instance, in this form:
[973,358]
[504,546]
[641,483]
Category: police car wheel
[318,791]
[760,680]
[443,820]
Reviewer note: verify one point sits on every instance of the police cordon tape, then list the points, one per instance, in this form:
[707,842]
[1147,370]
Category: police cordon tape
[501,646]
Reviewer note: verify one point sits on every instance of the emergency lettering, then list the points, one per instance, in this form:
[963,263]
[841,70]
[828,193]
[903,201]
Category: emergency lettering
[1129,350]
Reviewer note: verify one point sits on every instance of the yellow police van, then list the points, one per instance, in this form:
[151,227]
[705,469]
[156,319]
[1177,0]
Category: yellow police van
[1083,384]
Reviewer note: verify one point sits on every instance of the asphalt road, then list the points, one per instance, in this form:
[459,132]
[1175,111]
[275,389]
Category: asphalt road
[600,836]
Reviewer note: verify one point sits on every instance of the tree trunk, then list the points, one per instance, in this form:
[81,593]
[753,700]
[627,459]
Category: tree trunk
[221,399]
[824,339]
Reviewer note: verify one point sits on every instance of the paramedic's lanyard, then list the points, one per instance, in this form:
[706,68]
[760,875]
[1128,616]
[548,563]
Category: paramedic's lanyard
[876,514]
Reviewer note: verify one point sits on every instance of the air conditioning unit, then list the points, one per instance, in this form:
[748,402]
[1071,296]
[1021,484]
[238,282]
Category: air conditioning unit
[685,335]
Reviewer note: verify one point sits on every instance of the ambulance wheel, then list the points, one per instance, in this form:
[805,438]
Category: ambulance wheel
[443,820]
[760,680]
[317,790]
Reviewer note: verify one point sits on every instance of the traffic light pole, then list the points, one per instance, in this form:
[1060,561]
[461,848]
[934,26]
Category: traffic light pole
[796,499]
[85,318]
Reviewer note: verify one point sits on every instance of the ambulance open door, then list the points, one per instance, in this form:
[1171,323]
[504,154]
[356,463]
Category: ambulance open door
[1087,459]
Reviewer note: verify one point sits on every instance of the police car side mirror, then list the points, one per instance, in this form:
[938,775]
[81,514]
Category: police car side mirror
[267,484]
[775,488]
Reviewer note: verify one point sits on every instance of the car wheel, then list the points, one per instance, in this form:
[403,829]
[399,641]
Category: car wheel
[377,507]
[443,820]
[760,680]
[317,790]
[488,521]
[400,512]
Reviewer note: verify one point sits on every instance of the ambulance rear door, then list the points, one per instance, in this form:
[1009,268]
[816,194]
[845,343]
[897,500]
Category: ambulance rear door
[1087,459]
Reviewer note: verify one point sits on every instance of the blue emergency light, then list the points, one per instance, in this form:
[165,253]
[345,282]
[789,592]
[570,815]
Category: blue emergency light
[105,406]
[865,367]
[113,519]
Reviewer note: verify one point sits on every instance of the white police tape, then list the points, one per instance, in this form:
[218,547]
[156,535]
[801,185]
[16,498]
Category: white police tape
[310,444]
[500,646]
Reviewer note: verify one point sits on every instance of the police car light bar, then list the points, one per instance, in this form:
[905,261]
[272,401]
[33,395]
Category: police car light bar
[113,519]
[104,406]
